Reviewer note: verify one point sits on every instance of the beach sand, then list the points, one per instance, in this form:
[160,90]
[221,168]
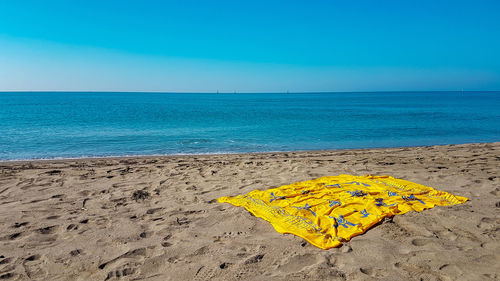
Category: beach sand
[157,218]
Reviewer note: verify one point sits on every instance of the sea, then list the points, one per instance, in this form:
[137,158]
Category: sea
[53,125]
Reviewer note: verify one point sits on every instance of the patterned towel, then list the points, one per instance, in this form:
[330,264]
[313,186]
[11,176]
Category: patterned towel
[330,210]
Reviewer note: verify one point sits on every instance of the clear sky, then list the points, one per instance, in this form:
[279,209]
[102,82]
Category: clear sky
[249,46]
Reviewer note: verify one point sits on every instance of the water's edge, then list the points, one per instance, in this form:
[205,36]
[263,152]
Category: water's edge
[277,153]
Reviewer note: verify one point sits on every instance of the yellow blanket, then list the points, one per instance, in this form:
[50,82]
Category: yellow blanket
[330,210]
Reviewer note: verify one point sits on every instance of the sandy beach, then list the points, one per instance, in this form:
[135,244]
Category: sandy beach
[157,218]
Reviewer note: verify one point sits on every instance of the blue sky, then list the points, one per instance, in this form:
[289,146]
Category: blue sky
[249,46]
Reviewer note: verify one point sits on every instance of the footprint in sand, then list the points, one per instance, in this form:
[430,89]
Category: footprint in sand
[298,263]
[14,236]
[449,270]
[72,227]
[133,254]
[19,224]
[421,242]
[124,271]
[489,222]
[165,243]
[204,273]
[5,260]
[34,267]
[48,230]
[373,272]
[76,252]
[489,226]
[7,276]
[32,258]
[448,234]
[254,259]
[496,192]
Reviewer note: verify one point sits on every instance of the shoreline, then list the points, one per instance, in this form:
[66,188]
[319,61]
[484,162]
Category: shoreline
[85,158]
[157,218]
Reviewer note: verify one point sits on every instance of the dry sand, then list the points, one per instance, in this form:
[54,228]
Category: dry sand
[156,218]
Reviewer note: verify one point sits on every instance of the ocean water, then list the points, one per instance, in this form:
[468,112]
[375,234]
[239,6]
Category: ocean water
[39,125]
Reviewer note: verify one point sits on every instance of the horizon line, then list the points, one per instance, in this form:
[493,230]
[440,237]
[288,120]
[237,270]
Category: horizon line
[244,92]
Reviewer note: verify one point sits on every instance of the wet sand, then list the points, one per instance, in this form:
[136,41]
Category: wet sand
[157,218]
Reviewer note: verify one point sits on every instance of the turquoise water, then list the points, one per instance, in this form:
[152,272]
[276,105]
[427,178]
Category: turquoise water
[36,125]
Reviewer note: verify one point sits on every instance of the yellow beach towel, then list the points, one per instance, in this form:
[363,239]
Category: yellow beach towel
[330,210]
